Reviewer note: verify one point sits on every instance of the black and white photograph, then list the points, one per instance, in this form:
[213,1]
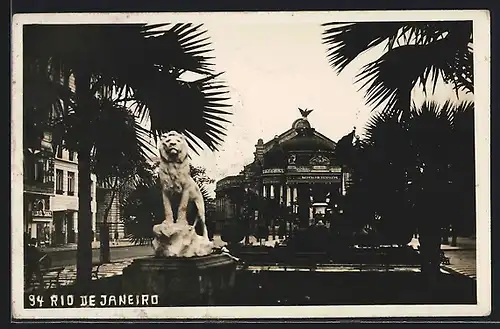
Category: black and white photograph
[241,165]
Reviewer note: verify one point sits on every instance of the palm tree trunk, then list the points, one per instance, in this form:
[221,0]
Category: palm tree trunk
[104,254]
[430,244]
[84,246]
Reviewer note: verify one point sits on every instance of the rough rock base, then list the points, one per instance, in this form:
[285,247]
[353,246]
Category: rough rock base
[179,240]
[181,281]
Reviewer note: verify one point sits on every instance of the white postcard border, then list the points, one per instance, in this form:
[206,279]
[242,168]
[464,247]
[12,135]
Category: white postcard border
[481,26]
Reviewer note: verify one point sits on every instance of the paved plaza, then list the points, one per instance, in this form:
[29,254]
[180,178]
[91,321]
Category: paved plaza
[463,262]
[462,259]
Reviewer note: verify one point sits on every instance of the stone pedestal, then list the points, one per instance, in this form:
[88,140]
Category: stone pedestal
[182,281]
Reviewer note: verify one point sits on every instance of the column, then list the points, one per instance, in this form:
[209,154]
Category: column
[283,213]
[33,230]
[264,190]
[272,220]
[283,195]
[51,234]
[94,224]
[75,224]
[277,193]
[66,218]
[295,207]
[342,183]
[295,198]
[288,196]
[277,220]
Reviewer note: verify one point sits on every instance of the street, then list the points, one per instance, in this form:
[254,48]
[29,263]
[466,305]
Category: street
[462,260]
[68,257]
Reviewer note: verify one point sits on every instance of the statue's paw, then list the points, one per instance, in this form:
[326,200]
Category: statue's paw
[157,230]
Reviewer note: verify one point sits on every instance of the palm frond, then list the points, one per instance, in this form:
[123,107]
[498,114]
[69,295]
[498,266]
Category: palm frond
[195,110]
[142,64]
[434,49]
[346,41]
[383,84]
[181,48]
[121,151]
[43,99]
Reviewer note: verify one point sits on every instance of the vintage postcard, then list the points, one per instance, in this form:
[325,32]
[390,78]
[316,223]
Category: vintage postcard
[247,165]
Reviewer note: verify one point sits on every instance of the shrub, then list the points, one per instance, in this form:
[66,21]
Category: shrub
[233,232]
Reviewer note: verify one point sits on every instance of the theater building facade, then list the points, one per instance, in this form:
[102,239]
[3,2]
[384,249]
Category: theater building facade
[297,170]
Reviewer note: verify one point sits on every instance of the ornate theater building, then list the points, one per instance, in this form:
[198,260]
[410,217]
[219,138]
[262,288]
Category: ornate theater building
[296,172]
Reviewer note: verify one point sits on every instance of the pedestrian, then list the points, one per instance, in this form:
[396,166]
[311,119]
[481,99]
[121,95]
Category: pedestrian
[32,262]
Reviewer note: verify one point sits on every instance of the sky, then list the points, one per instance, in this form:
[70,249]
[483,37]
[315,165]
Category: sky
[271,70]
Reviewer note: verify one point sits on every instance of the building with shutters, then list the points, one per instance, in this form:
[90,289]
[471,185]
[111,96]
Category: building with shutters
[51,194]
[50,178]
[65,199]
[38,190]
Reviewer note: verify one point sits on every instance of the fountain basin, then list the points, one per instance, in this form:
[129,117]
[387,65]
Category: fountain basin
[182,281]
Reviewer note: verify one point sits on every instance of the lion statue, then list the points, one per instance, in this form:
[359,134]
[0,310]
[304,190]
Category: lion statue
[174,236]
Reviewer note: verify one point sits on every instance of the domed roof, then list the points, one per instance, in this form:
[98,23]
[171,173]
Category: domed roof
[301,123]
[306,141]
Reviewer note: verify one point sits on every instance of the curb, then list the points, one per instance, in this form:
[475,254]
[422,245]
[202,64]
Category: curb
[450,269]
[459,249]
[56,249]
[122,260]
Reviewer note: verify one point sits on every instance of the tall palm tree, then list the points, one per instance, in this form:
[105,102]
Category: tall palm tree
[142,66]
[463,171]
[414,52]
[411,172]
[119,157]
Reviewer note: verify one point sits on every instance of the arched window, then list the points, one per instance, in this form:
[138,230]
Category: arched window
[39,205]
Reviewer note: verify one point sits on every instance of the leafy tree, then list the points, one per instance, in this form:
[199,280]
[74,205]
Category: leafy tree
[143,208]
[67,71]
[262,232]
[200,176]
[233,232]
[117,186]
